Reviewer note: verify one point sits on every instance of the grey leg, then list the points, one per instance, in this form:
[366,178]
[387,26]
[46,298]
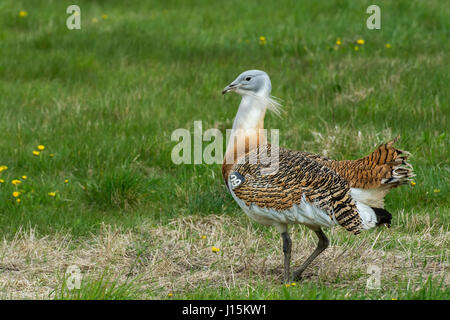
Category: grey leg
[322,245]
[287,246]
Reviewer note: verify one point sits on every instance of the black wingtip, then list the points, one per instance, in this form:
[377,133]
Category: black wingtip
[383,217]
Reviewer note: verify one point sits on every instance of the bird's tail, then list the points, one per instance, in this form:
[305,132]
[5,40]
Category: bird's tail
[373,176]
[388,165]
[383,169]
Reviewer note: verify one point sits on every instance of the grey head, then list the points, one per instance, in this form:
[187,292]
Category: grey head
[251,82]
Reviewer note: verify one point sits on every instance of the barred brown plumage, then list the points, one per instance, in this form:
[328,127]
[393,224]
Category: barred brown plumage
[378,168]
[305,188]
[297,176]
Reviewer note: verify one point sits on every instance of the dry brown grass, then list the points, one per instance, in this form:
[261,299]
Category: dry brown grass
[174,257]
[353,95]
[333,138]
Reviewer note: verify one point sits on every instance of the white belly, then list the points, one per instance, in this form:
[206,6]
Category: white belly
[305,213]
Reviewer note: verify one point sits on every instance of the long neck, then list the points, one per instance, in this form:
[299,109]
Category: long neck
[247,130]
[250,114]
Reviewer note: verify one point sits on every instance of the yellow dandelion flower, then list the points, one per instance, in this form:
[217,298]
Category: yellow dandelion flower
[338,42]
[388,45]
[24,177]
[2,181]
[203,237]
[413,183]
[293,284]
[356,48]
[94,20]
[16,194]
[215,249]
[360,41]
[52,194]
[3,168]
[262,40]
[66,181]
[436,190]
[23,13]
[16,182]
[170,294]
[51,155]
[18,200]
[287,285]
[41,147]
[36,153]
[104,17]
[394,298]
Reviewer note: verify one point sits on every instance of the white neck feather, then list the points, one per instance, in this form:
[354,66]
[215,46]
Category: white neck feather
[249,119]
[250,112]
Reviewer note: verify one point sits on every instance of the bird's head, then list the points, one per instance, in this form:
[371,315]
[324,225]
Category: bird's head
[251,82]
[255,84]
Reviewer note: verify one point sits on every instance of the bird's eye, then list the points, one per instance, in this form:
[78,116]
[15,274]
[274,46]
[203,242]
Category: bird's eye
[248,79]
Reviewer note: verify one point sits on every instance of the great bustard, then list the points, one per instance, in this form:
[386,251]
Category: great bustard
[305,188]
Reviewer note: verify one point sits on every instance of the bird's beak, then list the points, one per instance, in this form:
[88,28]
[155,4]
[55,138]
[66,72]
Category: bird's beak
[231,87]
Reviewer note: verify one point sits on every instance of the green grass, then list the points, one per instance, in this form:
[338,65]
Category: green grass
[105,100]
[103,288]
[428,290]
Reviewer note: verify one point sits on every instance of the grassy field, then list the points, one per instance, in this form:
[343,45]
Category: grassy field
[103,101]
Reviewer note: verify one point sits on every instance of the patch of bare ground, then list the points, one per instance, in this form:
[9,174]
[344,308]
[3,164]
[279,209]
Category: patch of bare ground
[176,258]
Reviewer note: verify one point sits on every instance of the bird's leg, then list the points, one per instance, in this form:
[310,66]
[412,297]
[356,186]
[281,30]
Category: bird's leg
[322,245]
[287,246]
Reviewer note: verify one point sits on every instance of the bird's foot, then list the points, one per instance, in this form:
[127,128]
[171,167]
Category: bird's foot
[297,275]
[287,280]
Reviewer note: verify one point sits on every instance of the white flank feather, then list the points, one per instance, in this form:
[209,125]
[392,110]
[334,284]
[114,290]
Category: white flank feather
[368,216]
[371,197]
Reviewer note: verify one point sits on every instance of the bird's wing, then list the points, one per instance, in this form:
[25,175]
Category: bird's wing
[298,176]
